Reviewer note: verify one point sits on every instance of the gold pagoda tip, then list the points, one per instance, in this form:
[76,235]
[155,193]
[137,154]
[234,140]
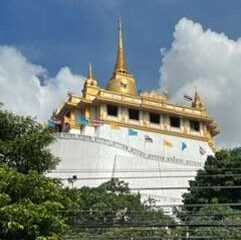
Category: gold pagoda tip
[121,81]
[120,65]
[90,74]
[120,43]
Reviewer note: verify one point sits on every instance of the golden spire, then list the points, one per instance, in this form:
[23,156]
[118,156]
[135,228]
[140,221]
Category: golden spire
[90,80]
[122,81]
[90,74]
[197,102]
[90,88]
[120,65]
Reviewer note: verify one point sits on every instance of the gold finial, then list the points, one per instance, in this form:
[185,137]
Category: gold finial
[198,103]
[120,65]
[90,88]
[90,74]
[90,80]
[122,81]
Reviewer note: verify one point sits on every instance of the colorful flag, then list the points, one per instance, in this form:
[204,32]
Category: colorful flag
[188,98]
[51,123]
[148,139]
[167,143]
[202,150]
[132,132]
[82,121]
[114,126]
[184,146]
[56,121]
[97,122]
[123,85]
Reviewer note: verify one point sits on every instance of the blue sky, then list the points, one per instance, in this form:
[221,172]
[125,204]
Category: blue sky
[56,39]
[56,33]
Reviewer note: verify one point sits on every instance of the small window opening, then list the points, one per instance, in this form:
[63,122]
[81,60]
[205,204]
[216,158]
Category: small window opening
[175,122]
[154,118]
[133,114]
[112,110]
[195,125]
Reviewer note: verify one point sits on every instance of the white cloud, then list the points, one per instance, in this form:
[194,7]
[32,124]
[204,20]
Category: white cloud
[212,62]
[20,88]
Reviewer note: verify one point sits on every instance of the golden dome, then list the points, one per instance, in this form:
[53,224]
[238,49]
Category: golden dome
[122,81]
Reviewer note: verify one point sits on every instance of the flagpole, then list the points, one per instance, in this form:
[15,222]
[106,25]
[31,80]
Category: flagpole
[113,169]
[159,167]
[128,141]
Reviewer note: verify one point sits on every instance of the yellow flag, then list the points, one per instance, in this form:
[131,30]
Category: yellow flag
[114,126]
[167,143]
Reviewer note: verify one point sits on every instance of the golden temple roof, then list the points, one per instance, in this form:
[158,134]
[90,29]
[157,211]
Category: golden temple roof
[122,81]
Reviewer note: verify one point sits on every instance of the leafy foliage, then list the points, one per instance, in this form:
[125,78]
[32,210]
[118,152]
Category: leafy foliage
[30,206]
[112,211]
[223,169]
[223,216]
[23,144]
[30,203]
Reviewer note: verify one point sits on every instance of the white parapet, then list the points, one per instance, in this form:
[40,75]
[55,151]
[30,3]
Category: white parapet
[158,166]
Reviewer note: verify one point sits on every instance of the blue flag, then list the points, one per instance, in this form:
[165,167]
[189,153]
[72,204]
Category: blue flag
[51,123]
[82,121]
[184,146]
[132,132]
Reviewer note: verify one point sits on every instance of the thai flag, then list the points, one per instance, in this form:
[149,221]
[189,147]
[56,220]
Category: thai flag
[97,122]
[148,139]
[188,98]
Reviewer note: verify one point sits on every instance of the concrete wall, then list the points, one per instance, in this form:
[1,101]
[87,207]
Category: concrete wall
[103,153]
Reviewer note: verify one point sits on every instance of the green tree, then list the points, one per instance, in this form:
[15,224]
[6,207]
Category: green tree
[112,211]
[222,220]
[30,203]
[30,206]
[23,144]
[223,169]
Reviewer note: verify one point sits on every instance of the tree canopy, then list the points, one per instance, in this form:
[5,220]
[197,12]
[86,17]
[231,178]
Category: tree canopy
[215,202]
[30,203]
[223,169]
[112,211]
[24,144]
[30,206]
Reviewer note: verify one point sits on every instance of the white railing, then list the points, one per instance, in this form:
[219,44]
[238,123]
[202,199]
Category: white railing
[134,151]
